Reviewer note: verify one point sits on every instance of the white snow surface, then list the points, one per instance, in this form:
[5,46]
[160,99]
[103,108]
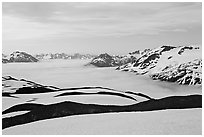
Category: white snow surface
[176,59]
[166,122]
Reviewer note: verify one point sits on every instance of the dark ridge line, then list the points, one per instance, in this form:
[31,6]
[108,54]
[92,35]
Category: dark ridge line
[33,99]
[139,94]
[19,91]
[97,93]
[88,87]
[29,82]
[8,95]
[37,89]
[37,84]
[72,93]
[9,78]
[32,90]
[59,89]
[52,87]
[23,107]
[41,112]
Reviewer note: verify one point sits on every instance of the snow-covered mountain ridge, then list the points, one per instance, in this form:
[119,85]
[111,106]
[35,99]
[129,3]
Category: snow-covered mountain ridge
[181,64]
[25,57]
[47,56]
[106,60]
[18,56]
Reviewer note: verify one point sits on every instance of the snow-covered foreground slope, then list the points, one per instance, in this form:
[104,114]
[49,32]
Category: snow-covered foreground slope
[11,84]
[93,95]
[31,104]
[168,63]
[166,122]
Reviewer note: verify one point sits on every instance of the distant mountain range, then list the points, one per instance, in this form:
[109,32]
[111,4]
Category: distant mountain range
[44,56]
[106,60]
[18,56]
[181,64]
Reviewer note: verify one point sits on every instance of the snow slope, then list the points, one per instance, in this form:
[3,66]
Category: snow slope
[12,85]
[14,88]
[163,62]
[166,122]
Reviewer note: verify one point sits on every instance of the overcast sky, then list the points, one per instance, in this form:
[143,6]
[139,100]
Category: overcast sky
[115,28]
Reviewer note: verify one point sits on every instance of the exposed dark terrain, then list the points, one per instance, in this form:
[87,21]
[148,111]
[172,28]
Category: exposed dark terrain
[40,112]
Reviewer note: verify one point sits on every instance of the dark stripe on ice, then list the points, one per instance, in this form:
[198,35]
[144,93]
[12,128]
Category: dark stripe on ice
[67,108]
[139,94]
[97,93]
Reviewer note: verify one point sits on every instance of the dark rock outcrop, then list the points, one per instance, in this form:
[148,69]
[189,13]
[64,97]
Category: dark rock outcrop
[37,111]
[67,108]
